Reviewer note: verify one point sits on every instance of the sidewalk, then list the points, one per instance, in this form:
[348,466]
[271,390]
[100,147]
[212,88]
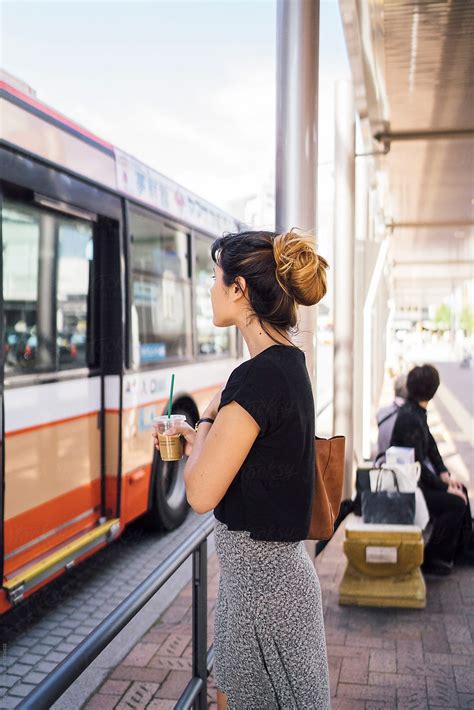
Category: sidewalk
[157,670]
[378,658]
[400,658]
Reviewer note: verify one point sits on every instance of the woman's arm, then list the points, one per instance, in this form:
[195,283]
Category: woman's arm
[219,451]
[434,455]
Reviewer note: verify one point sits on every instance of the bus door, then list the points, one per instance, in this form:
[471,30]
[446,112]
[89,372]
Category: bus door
[56,354]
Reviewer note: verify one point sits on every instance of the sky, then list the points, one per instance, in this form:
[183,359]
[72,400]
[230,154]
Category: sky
[186,87]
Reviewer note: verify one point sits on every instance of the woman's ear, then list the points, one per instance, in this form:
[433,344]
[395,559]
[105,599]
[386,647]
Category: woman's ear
[238,288]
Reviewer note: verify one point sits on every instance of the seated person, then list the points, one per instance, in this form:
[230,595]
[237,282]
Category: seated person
[445,497]
[386,417]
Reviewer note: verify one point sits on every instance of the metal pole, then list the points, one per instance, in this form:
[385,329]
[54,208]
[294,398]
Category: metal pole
[424,135]
[297,136]
[344,236]
[200,622]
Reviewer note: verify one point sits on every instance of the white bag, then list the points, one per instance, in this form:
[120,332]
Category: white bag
[407,475]
[422,515]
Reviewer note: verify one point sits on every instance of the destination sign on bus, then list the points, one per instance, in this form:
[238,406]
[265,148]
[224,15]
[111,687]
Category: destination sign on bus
[137,180]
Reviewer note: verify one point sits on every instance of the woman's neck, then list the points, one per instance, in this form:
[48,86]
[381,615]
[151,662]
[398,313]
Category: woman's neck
[257,340]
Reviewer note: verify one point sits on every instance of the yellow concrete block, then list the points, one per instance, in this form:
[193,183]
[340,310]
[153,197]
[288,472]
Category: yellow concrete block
[383,566]
[362,553]
[406,591]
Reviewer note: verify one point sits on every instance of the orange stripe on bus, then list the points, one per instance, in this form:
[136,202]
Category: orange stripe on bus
[15,432]
[40,520]
[33,523]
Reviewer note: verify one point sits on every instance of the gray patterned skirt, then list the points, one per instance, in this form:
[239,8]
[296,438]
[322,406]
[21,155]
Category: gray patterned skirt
[269,640]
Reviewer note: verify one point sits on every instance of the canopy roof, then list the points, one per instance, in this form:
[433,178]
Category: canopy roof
[413,69]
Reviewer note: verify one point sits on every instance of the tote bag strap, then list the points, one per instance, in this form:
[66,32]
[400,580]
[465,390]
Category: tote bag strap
[379,479]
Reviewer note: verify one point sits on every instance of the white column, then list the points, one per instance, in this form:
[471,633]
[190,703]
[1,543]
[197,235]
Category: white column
[344,237]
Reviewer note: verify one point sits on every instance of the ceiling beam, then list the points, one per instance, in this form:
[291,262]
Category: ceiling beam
[434,262]
[434,225]
[424,135]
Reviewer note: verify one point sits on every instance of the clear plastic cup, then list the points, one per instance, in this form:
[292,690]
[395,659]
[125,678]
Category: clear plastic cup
[171,445]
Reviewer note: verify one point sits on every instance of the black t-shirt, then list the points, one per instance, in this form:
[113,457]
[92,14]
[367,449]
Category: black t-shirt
[411,430]
[271,495]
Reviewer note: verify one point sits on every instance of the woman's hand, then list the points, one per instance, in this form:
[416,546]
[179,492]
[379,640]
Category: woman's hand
[450,481]
[185,430]
[455,483]
[454,490]
[188,431]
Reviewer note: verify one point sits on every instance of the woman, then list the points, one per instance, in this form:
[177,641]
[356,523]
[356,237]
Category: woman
[251,460]
[386,418]
[445,497]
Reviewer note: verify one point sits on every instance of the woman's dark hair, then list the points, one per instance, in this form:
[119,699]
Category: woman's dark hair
[422,383]
[280,270]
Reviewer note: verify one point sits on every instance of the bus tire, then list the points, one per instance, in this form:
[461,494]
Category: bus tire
[169,507]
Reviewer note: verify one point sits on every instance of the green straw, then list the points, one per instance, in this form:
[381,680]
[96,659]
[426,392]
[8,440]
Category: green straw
[171,397]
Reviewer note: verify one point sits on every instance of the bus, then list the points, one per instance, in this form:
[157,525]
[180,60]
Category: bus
[105,273]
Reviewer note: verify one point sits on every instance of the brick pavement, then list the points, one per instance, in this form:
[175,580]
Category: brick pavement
[400,658]
[156,671]
[378,658]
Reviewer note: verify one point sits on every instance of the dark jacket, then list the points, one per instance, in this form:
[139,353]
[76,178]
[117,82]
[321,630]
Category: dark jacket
[411,430]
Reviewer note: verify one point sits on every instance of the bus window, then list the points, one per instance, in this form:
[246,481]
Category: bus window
[45,287]
[161,292]
[74,274]
[210,340]
[28,240]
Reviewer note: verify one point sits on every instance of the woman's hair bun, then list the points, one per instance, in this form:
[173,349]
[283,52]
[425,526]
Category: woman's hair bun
[300,271]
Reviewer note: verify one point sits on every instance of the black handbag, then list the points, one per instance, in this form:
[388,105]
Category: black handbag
[388,507]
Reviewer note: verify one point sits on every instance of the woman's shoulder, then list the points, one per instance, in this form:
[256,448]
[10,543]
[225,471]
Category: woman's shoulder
[408,416]
[259,372]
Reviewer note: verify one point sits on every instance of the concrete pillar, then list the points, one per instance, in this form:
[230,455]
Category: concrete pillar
[359,299]
[374,349]
[360,288]
[297,136]
[344,237]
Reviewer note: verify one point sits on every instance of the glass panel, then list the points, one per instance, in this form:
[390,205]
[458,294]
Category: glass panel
[158,248]
[161,310]
[210,339]
[75,254]
[46,277]
[28,252]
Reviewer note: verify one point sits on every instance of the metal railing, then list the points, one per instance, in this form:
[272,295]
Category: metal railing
[195,693]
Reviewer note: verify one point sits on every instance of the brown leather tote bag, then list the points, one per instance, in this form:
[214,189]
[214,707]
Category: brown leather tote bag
[329,477]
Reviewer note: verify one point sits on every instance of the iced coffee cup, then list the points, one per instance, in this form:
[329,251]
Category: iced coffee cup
[171,445]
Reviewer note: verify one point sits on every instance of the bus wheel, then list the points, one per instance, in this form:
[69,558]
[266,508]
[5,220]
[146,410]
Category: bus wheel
[169,506]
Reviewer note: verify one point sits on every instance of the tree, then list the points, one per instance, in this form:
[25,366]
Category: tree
[466,320]
[443,317]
